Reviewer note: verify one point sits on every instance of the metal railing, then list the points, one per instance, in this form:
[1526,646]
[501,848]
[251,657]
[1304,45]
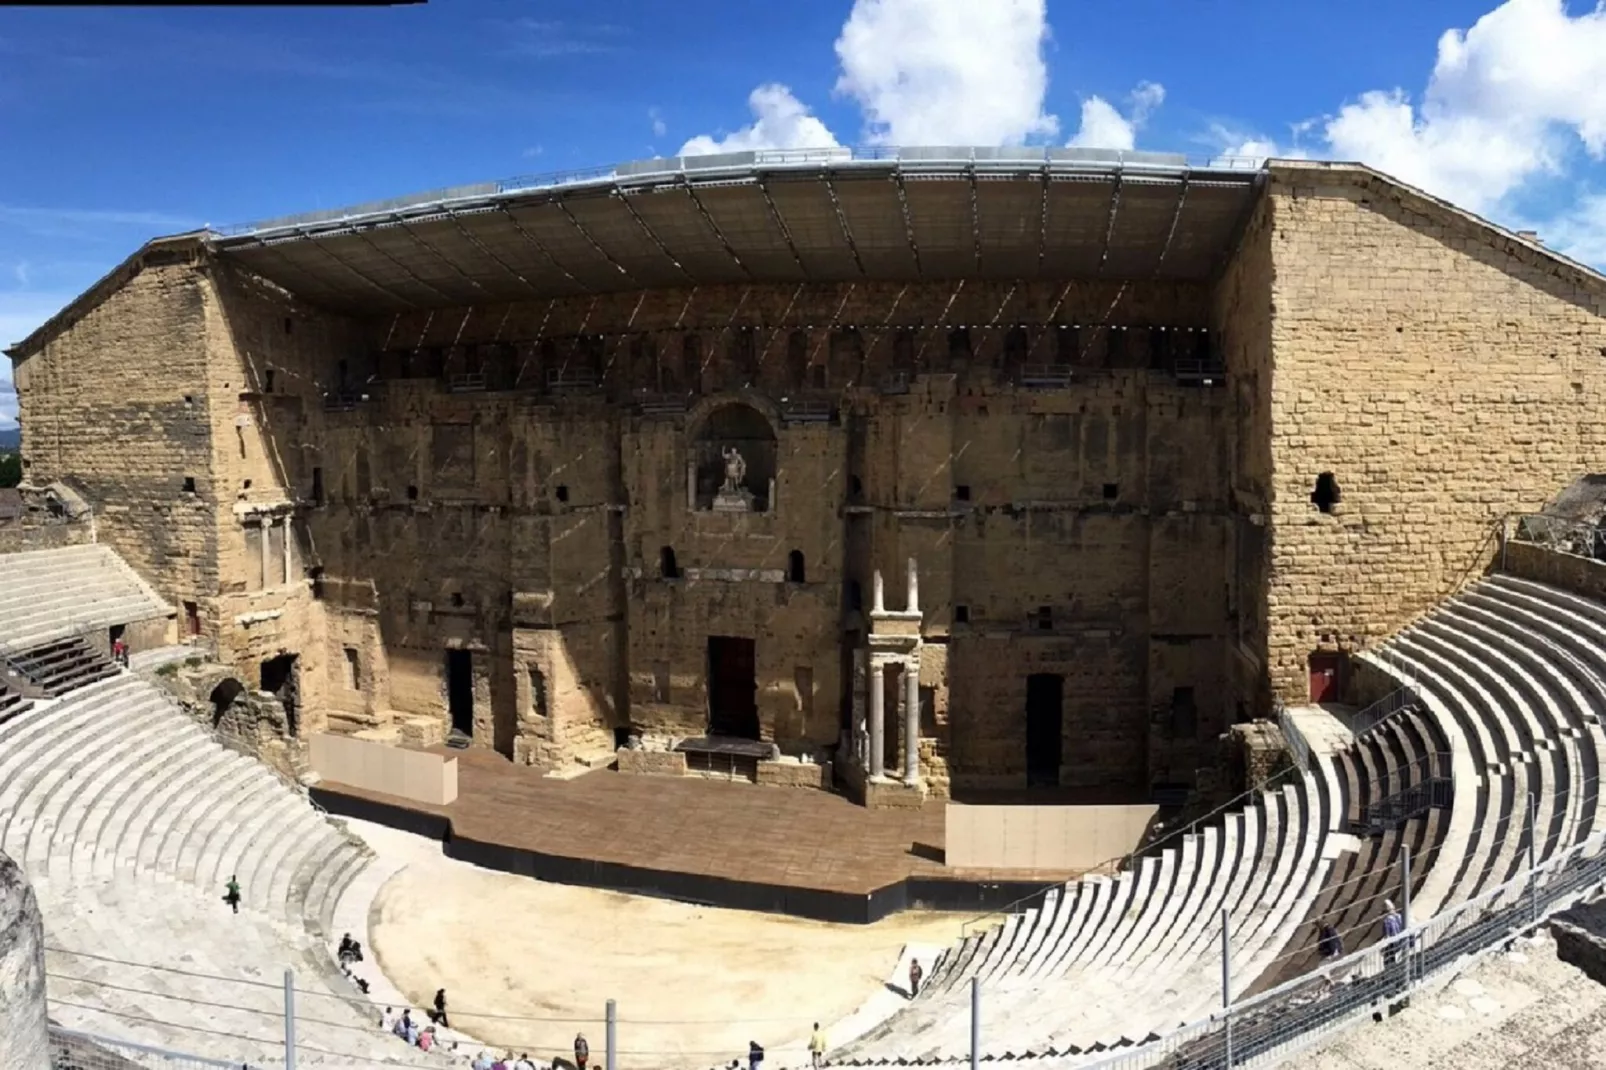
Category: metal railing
[1380,712]
[72,1050]
[1294,737]
[1403,793]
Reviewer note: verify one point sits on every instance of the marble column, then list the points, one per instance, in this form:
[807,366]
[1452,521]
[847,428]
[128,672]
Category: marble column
[289,548]
[265,527]
[879,602]
[914,588]
[878,702]
[911,718]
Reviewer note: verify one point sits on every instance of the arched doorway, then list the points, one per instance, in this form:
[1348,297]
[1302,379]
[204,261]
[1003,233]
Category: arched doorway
[222,698]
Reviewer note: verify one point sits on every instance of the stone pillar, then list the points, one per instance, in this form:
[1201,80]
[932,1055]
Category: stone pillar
[878,702]
[691,486]
[861,728]
[914,588]
[265,526]
[289,549]
[911,715]
[878,603]
[24,1038]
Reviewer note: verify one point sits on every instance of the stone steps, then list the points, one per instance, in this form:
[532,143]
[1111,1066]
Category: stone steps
[53,594]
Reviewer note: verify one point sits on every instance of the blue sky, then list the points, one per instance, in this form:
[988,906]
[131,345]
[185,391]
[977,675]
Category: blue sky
[119,125]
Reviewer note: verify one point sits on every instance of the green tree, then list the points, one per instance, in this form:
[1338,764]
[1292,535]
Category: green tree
[10,469]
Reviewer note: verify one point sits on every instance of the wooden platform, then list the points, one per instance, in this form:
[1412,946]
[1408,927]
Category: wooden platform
[787,850]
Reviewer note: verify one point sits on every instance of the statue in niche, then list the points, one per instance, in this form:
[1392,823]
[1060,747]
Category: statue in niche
[735,470]
[733,497]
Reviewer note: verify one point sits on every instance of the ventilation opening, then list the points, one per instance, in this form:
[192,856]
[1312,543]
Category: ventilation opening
[794,567]
[855,595]
[189,484]
[457,598]
[317,583]
[1112,491]
[962,492]
[563,492]
[961,614]
[667,567]
[537,692]
[317,486]
[267,381]
[855,487]
[412,493]
[1326,495]
[1043,619]
[353,670]
[288,324]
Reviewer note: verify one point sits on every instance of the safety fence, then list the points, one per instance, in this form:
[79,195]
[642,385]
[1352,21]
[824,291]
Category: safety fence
[1385,709]
[1580,538]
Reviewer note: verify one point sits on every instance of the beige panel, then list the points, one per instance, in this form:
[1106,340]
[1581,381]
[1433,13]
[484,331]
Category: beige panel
[1043,837]
[406,774]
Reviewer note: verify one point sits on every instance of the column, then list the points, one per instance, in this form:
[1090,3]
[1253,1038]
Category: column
[878,702]
[265,528]
[289,548]
[914,588]
[879,601]
[911,718]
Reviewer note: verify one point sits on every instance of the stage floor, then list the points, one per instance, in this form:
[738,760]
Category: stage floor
[737,833]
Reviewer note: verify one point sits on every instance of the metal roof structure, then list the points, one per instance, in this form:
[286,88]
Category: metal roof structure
[765,217]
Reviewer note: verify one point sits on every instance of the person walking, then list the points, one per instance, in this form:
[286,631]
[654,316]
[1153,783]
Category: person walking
[915,974]
[231,893]
[582,1051]
[817,1047]
[439,1014]
[755,1055]
[1328,943]
[1393,926]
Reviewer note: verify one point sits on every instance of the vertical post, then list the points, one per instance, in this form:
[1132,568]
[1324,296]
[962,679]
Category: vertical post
[1226,980]
[289,1020]
[975,1021]
[912,604]
[911,720]
[1403,944]
[878,593]
[611,1039]
[1533,869]
[878,718]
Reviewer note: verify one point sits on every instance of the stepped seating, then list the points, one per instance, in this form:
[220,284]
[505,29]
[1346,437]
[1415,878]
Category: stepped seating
[111,790]
[53,594]
[1101,963]
[12,701]
[59,666]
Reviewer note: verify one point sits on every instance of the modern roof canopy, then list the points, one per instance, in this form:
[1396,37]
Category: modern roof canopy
[765,217]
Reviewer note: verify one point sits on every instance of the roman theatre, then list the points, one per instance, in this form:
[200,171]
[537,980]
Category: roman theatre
[1064,564]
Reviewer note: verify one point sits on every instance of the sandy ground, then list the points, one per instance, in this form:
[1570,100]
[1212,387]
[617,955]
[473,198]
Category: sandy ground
[1523,1009]
[527,964]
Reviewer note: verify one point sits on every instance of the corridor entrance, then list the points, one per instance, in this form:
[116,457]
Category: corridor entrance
[281,680]
[732,687]
[1045,725]
[460,690]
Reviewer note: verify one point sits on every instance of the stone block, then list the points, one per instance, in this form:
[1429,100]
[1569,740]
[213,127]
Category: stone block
[24,1039]
[1581,938]
[422,732]
[893,795]
[794,774]
[651,763]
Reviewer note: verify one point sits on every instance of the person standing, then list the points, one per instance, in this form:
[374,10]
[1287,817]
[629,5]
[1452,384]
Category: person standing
[582,1052]
[915,974]
[231,893]
[817,1047]
[1393,926]
[755,1055]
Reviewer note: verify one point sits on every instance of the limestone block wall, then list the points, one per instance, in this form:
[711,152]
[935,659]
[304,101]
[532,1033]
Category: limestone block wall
[118,404]
[24,1036]
[1444,374]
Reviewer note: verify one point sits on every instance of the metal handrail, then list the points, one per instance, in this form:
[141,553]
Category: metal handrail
[1383,710]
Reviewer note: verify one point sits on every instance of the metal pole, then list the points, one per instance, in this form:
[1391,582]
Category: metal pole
[612,1034]
[1533,870]
[1402,945]
[975,1021]
[1226,980]
[289,1020]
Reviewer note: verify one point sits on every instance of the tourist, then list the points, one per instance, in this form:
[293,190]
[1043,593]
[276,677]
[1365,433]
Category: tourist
[582,1051]
[438,1016]
[1328,943]
[387,1021]
[915,974]
[817,1047]
[523,1062]
[120,652]
[231,894]
[350,950]
[482,1061]
[1393,925]
[426,1039]
[755,1055]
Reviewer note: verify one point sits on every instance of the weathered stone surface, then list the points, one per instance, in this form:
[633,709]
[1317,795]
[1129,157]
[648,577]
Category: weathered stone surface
[1581,938]
[24,1040]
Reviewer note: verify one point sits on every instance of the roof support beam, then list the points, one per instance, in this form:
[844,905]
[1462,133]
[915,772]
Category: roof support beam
[786,232]
[487,253]
[1176,217]
[842,219]
[438,255]
[908,220]
[975,216]
[691,191]
[542,249]
[403,268]
[273,248]
[330,253]
[1109,229]
[652,235]
[586,234]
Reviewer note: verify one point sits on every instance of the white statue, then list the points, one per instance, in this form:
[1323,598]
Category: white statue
[735,470]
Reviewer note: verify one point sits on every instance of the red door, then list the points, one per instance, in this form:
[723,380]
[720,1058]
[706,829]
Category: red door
[1324,676]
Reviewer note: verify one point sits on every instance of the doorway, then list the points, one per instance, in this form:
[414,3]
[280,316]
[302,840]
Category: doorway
[732,687]
[1326,676]
[892,720]
[1045,725]
[460,690]
[281,680]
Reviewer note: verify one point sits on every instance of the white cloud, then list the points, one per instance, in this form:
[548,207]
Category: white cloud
[947,72]
[1506,102]
[1104,127]
[780,121]
[659,127]
[1579,231]
[21,312]
[8,405]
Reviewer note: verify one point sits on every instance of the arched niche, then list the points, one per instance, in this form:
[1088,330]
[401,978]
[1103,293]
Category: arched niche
[223,696]
[733,453]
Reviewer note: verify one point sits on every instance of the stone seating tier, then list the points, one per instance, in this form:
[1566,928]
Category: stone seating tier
[53,594]
[59,666]
[12,702]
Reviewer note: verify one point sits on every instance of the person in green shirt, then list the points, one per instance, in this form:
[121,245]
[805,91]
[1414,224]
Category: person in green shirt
[232,895]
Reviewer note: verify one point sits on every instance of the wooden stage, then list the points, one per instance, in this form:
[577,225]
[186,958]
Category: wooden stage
[787,850]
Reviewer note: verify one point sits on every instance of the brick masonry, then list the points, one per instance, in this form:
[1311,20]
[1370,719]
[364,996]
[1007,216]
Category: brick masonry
[1441,372]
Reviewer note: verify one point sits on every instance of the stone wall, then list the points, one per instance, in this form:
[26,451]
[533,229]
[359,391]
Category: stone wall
[28,533]
[1444,374]
[24,1039]
[1581,575]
